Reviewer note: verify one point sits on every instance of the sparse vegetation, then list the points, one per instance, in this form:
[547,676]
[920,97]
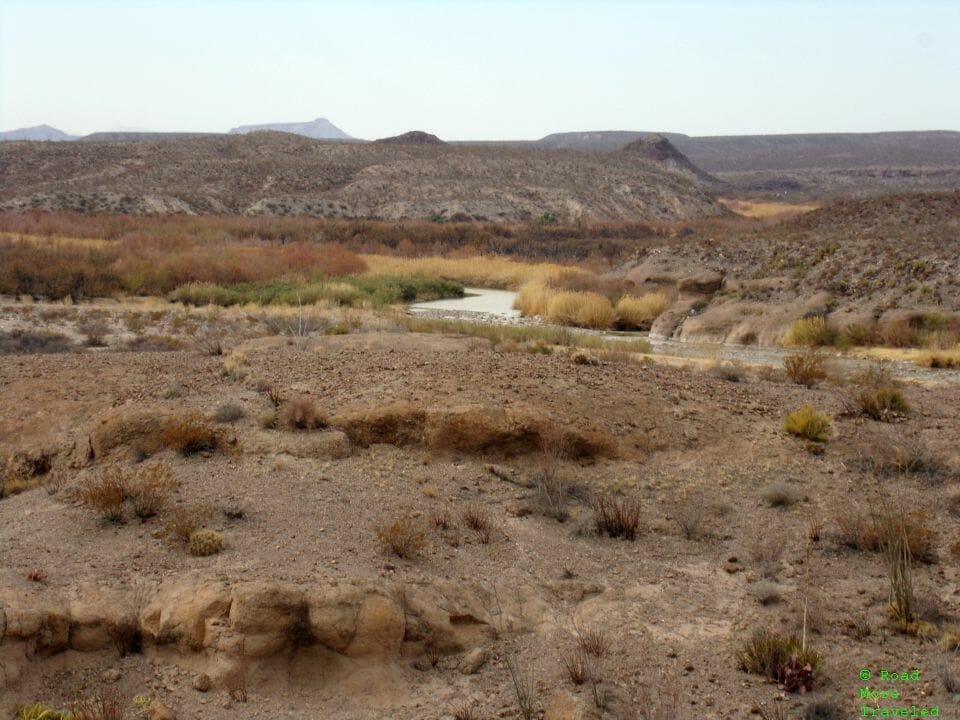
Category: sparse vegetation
[228,412]
[24,342]
[806,368]
[107,493]
[785,660]
[205,542]
[301,413]
[190,435]
[616,516]
[404,537]
[478,519]
[781,494]
[877,394]
[809,424]
[182,521]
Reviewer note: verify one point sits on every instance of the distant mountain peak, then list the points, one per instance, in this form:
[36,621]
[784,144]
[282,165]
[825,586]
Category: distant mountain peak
[37,132]
[319,129]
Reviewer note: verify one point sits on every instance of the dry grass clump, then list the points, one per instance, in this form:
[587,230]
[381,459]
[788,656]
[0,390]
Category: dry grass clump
[809,424]
[146,492]
[814,331]
[24,471]
[859,530]
[616,516]
[939,359]
[580,309]
[301,413]
[480,271]
[766,592]
[191,435]
[235,365]
[877,394]
[689,513]
[203,543]
[22,342]
[729,371]
[106,704]
[786,660]
[897,456]
[478,519]
[638,313]
[806,368]
[107,493]
[228,412]
[151,489]
[183,521]
[781,494]
[403,537]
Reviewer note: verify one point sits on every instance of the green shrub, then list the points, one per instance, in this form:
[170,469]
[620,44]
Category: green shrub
[783,659]
[809,424]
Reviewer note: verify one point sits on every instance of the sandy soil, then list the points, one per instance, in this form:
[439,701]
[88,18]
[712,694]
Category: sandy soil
[675,609]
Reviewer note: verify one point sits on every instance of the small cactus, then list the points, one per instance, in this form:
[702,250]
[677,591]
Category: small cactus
[205,542]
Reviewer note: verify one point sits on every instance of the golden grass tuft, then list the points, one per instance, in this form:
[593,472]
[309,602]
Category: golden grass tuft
[809,424]
[812,331]
[478,271]
[940,359]
[639,312]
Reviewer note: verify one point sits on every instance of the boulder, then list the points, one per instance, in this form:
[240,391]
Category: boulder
[564,705]
[705,283]
[473,661]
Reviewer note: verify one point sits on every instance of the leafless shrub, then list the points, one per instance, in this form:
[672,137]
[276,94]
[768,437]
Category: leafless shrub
[552,485]
[689,513]
[766,552]
[577,665]
[441,519]
[593,641]
[107,493]
[126,637]
[616,516]
[107,704]
[150,490]
[465,712]
[857,626]
[806,368]
[523,692]
[478,519]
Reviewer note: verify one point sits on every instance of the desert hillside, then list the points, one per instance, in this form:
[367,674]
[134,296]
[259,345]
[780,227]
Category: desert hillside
[283,174]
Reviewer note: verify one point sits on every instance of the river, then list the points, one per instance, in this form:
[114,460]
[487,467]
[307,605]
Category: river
[496,306]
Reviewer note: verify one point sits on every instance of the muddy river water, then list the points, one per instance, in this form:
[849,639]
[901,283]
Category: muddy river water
[496,306]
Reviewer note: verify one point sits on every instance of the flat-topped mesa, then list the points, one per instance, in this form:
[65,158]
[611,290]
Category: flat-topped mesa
[414,137]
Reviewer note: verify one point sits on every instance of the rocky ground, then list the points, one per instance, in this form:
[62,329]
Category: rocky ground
[305,613]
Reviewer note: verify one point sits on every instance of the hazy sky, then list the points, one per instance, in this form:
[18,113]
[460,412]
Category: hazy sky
[483,70]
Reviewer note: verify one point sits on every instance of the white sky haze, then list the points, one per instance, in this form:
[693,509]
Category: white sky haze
[482,70]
